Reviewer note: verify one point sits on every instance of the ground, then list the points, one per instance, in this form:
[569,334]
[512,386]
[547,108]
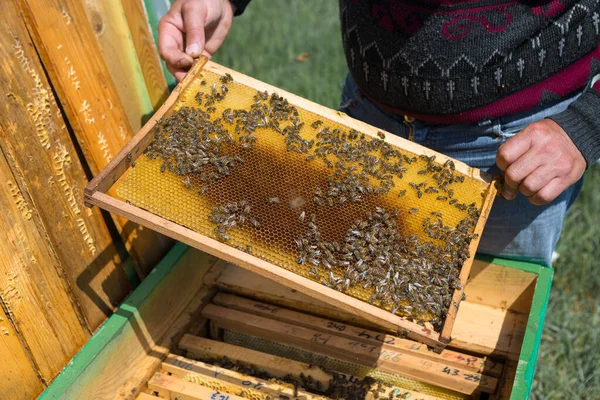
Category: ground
[265,43]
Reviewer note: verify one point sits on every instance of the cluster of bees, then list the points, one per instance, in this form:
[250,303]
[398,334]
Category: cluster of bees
[338,388]
[231,216]
[407,275]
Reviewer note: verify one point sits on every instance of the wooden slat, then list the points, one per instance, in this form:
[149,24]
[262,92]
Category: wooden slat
[277,367]
[144,340]
[111,28]
[181,367]
[480,329]
[351,350]
[500,287]
[37,144]
[68,48]
[367,336]
[34,295]
[19,377]
[249,284]
[489,331]
[169,387]
[146,50]
[146,396]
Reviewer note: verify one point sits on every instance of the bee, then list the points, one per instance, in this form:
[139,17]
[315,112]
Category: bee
[132,164]
[203,83]
[413,210]
[402,193]
[381,135]
[436,213]
[302,216]
[316,124]
[273,200]
[203,190]
[422,172]
[442,198]
[310,158]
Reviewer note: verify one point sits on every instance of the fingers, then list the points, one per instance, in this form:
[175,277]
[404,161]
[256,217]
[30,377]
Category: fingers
[516,172]
[194,20]
[536,181]
[549,192]
[513,149]
[170,45]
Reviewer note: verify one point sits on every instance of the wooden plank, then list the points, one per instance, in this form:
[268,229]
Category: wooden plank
[169,387]
[151,362]
[19,377]
[367,336]
[512,288]
[181,367]
[489,331]
[146,396]
[143,327]
[107,19]
[146,50]
[480,329]
[69,51]
[375,315]
[40,152]
[35,297]
[277,367]
[373,356]
[249,284]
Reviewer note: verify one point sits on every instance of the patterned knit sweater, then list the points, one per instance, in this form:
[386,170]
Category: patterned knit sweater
[461,61]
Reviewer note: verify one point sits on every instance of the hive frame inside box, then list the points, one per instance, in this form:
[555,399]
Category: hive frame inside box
[95,194]
[130,346]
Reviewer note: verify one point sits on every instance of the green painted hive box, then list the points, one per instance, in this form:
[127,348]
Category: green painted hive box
[501,319]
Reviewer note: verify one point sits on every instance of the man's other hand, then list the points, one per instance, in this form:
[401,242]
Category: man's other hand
[541,161]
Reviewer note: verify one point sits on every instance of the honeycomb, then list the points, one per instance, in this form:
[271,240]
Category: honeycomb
[333,364]
[276,189]
[225,387]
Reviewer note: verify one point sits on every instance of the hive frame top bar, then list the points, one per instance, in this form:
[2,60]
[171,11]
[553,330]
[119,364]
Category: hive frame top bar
[95,194]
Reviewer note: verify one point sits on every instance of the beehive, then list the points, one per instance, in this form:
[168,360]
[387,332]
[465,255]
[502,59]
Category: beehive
[315,176]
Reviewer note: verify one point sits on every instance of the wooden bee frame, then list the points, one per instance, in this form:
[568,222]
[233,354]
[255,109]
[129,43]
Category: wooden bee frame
[96,194]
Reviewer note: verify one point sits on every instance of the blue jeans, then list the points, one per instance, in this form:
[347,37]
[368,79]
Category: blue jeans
[515,229]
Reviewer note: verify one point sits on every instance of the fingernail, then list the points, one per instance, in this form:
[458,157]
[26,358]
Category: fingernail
[509,194]
[193,50]
[184,63]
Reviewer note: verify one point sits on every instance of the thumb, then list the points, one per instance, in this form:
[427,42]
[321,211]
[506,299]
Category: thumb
[194,17]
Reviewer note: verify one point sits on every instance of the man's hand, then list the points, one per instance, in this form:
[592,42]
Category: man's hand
[192,28]
[541,162]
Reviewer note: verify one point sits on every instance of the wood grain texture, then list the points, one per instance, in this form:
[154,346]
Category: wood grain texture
[367,336]
[68,48]
[111,28]
[146,50]
[180,367]
[480,328]
[144,340]
[19,378]
[33,294]
[169,387]
[39,150]
[275,366]
[351,350]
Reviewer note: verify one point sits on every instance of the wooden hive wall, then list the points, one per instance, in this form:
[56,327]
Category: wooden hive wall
[63,267]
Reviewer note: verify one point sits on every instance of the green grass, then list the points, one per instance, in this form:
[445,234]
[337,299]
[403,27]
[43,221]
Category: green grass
[265,42]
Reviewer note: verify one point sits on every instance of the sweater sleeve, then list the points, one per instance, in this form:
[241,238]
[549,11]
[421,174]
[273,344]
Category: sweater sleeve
[581,121]
[240,6]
